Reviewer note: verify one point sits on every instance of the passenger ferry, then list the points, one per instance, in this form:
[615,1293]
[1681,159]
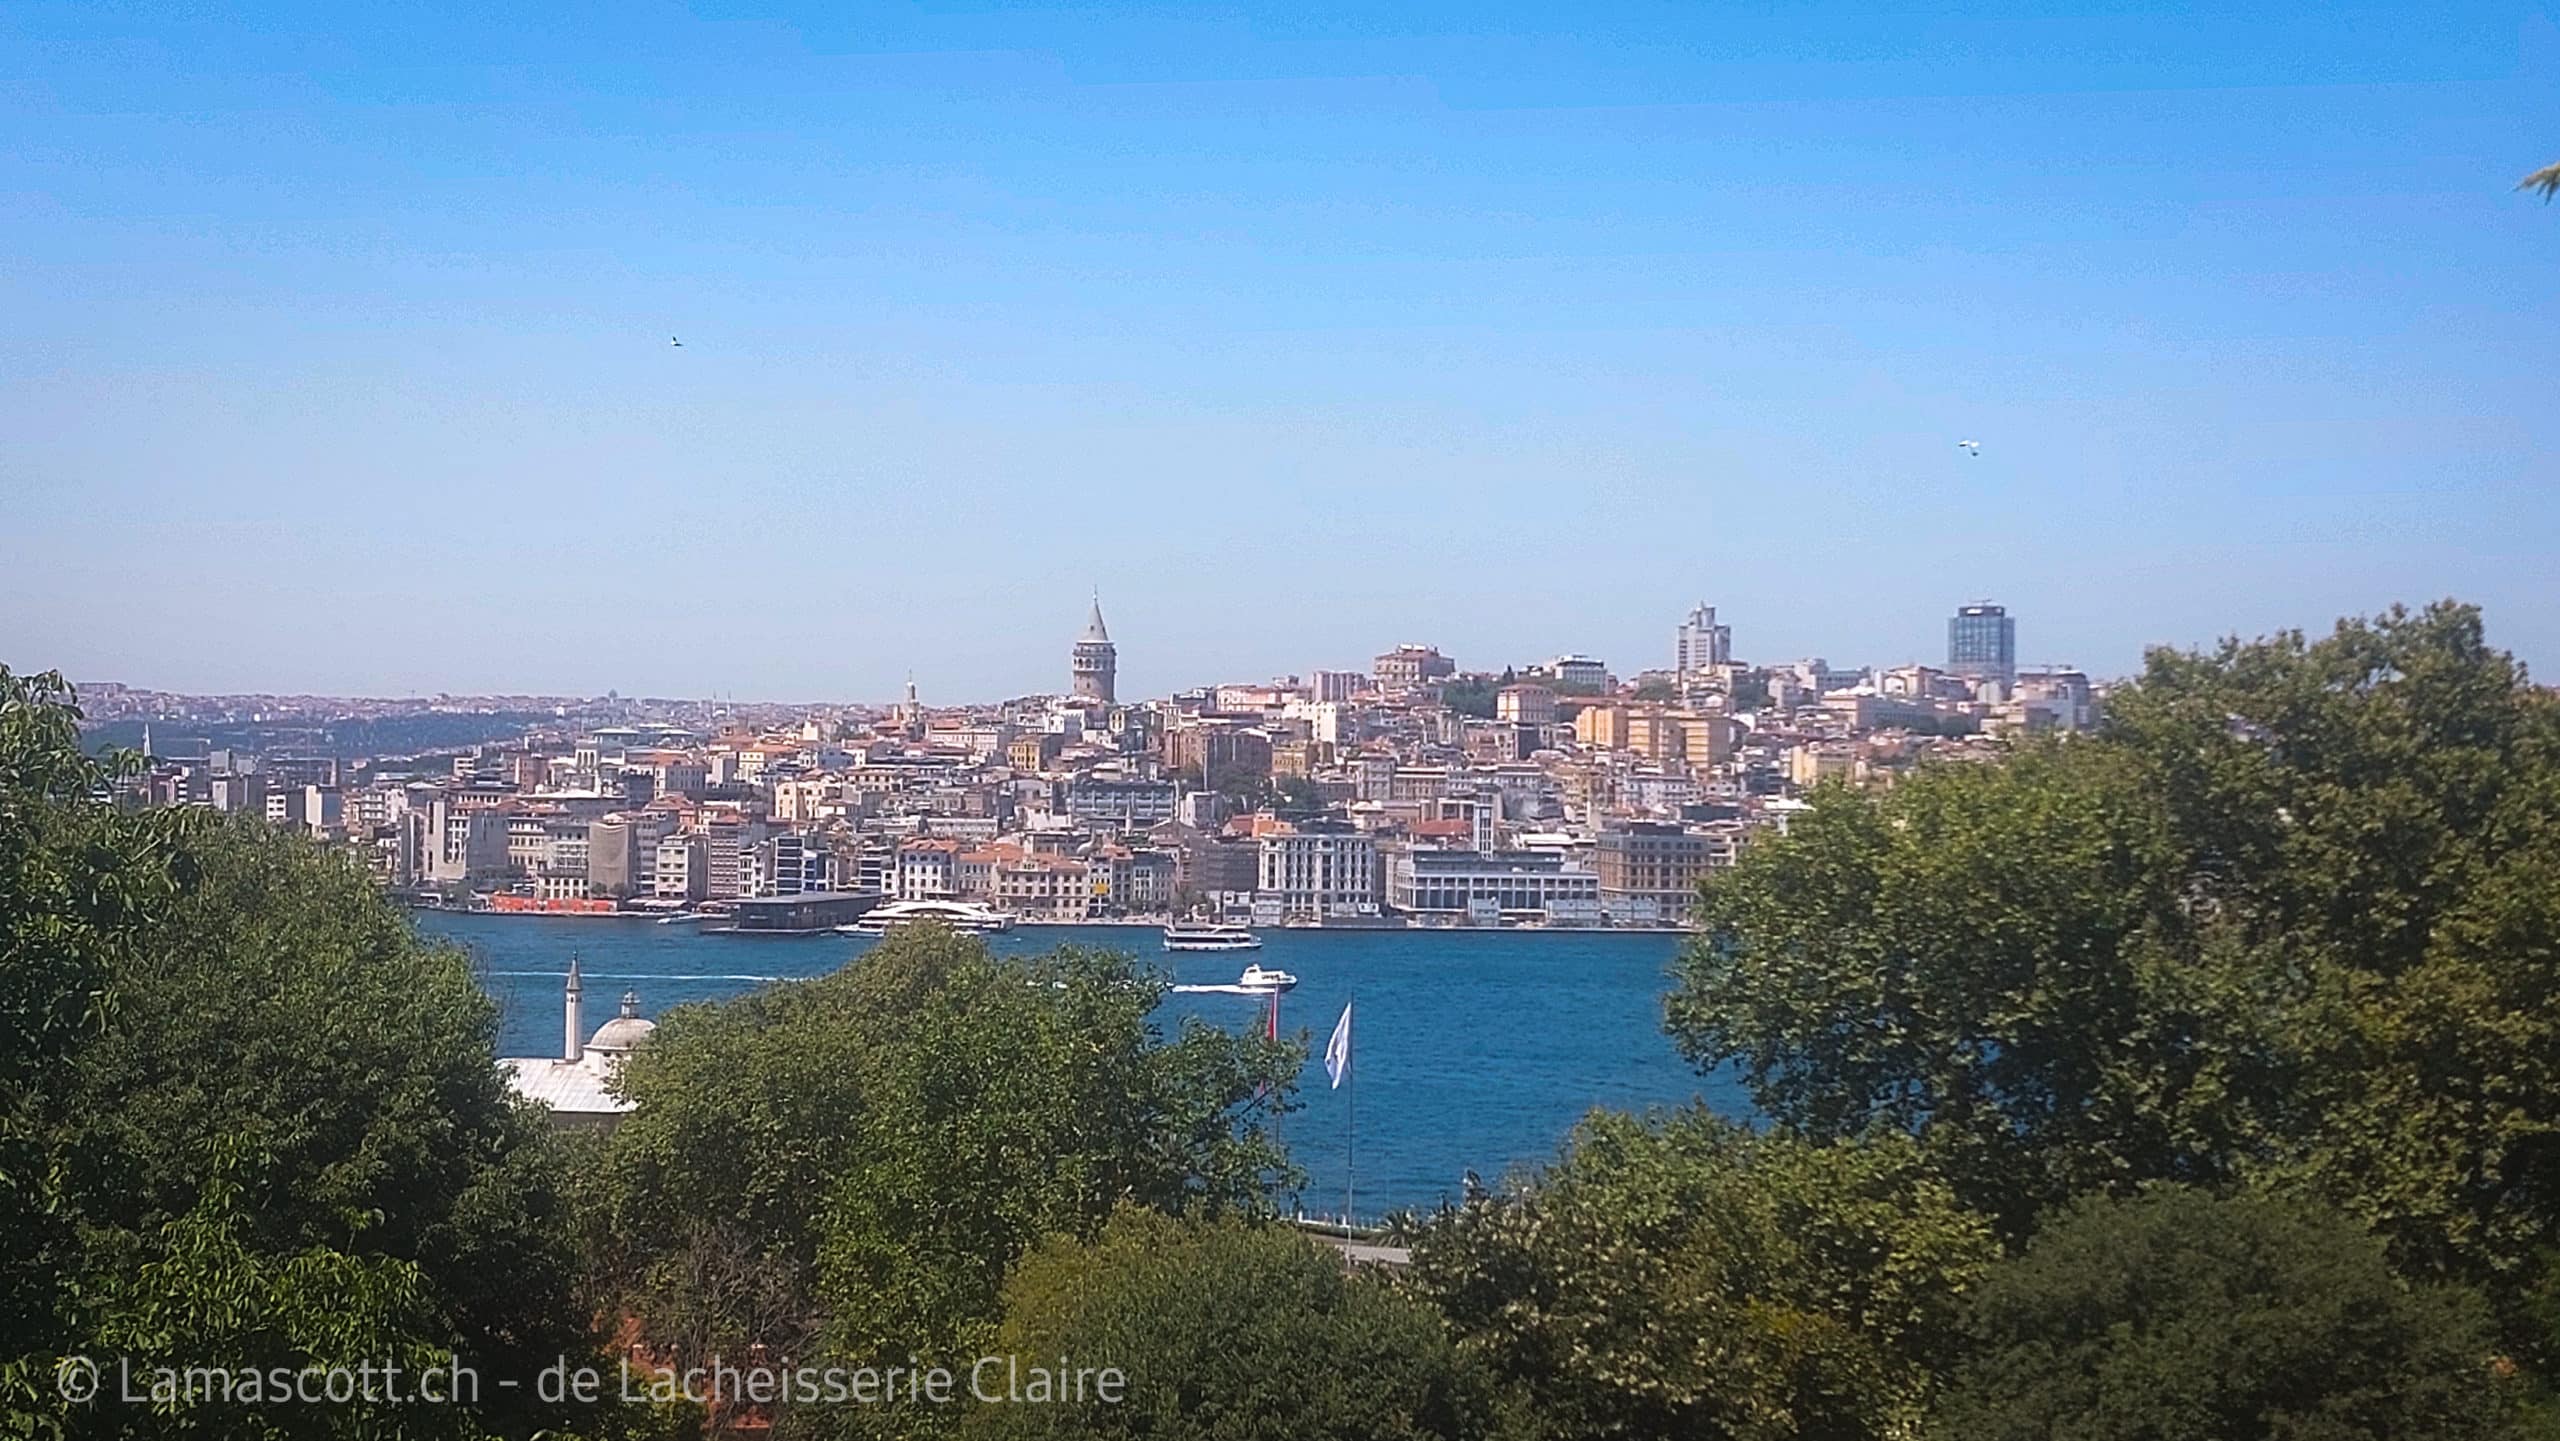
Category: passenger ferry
[967,917]
[1196,936]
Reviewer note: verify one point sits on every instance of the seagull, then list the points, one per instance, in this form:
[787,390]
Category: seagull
[1970,447]
[678,344]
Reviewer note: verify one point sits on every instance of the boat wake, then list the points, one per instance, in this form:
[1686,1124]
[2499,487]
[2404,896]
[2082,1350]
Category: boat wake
[641,976]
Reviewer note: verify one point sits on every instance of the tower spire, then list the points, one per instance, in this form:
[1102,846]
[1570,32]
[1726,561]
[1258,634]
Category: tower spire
[1096,660]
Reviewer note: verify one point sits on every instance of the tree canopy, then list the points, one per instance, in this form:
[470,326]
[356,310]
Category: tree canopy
[2177,1314]
[1683,1277]
[250,1119]
[2291,917]
[852,1163]
[1229,1331]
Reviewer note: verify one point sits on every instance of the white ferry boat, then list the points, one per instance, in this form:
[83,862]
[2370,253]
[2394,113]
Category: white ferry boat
[1196,936]
[967,917]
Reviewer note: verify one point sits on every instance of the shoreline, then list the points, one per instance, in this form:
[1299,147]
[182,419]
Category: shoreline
[1097,923]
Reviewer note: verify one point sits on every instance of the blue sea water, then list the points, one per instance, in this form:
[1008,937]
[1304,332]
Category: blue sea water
[1472,1049]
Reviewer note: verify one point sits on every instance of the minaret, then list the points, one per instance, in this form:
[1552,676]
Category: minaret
[1096,660]
[146,741]
[575,1049]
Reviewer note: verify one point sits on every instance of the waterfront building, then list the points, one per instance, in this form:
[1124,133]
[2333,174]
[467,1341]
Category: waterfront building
[1096,662]
[928,869]
[1982,643]
[802,911]
[779,866]
[470,846]
[682,868]
[577,1086]
[1047,888]
[1485,887]
[1317,870]
[1649,872]
[621,856]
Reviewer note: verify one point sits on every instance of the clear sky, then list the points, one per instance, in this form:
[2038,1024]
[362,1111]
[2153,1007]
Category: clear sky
[333,338]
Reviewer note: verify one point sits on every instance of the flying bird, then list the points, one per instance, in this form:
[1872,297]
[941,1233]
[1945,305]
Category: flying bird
[1970,447]
[678,344]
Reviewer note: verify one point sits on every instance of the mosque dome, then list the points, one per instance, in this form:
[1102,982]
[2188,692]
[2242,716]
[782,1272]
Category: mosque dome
[624,1033]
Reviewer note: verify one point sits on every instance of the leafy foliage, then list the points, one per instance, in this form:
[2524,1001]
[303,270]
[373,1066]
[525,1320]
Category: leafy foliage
[2292,917]
[1230,1331]
[78,880]
[2179,1314]
[249,1118]
[1683,1277]
[887,1140]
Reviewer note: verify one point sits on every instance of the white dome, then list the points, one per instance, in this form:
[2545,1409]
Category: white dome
[624,1033]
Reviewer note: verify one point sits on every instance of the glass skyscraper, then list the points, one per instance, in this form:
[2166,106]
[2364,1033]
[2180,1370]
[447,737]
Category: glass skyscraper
[1982,644]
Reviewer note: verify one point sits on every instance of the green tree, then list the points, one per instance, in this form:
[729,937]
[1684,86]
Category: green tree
[267,1123]
[2290,918]
[887,1140]
[78,881]
[1233,1332]
[1683,1277]
[2177,1314]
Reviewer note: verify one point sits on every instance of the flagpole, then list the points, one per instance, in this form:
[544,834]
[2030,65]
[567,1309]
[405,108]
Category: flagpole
[1351,1122]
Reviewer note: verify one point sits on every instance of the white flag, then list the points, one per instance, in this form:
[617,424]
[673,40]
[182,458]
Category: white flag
[1337,1052]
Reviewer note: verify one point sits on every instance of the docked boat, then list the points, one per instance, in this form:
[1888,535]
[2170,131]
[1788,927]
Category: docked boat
[1255,978]
[1196,936]
[967,917]
[680,918]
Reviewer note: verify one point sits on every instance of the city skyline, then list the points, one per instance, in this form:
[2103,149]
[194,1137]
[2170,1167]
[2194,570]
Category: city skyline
[1069,681]
[338,351]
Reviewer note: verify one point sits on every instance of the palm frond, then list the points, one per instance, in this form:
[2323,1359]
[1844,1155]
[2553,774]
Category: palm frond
[2546,180]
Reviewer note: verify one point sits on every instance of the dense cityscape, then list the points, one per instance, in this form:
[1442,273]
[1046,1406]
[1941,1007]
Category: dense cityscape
[647,789]
[1551,793]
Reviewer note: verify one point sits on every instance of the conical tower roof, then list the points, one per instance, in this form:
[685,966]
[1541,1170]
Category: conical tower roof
[1093,628]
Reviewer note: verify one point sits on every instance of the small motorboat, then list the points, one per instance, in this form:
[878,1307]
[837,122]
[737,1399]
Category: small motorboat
[1255,978]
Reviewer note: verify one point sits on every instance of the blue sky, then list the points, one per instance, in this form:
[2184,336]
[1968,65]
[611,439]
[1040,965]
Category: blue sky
[335,344]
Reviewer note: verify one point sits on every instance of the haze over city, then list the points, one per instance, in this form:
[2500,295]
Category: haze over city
[337,354]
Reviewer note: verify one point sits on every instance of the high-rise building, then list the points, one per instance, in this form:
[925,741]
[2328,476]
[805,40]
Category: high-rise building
[1097,661]
[1702,646]
[1982,643]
